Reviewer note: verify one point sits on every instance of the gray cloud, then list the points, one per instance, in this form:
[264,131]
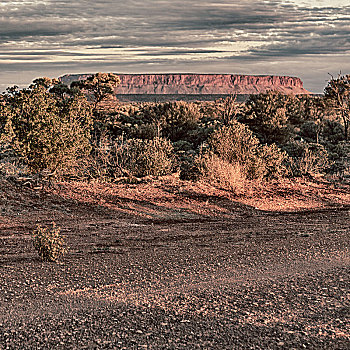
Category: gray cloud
[201,35]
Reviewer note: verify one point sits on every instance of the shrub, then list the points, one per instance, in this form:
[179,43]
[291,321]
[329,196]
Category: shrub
[337,94]
[10,165]
[273,161]
[222,173]
[236,144]
[100,164]
[339,156]
[314,159]
[190,172]
[48,242]
[144,157]
[172,120]
[267,115]
[332,131]
[144,131]
[307,158]
[226,109]
[311,130]
[180,117]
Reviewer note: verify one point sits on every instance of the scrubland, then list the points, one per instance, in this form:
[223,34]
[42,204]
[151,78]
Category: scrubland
[209,225]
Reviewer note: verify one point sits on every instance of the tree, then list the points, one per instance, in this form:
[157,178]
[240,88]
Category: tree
[314,111]
[227,109]
[267,116]
[99,86]
[45,132]
[337,93]
[44,82]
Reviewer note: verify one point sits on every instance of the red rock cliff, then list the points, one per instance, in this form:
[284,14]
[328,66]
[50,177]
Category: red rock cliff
[180,83]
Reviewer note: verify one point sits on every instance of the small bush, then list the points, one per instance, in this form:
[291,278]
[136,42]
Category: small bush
[10,165]
[190,171]
[314,159]
[48,242]
[237,145]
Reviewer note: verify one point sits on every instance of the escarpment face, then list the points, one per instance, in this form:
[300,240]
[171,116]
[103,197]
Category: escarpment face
[179,83]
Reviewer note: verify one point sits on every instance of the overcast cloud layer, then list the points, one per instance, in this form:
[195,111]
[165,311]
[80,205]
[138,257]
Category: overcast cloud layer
[300,38]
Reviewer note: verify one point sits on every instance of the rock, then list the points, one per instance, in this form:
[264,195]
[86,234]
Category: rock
[200,83]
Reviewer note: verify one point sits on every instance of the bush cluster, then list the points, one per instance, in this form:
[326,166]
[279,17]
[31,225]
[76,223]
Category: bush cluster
[68,131]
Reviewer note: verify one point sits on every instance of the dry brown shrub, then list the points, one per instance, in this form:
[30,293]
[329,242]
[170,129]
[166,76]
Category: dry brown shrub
[230,176]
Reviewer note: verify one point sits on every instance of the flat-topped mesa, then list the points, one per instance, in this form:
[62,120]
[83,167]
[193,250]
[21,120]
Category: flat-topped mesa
[194,84]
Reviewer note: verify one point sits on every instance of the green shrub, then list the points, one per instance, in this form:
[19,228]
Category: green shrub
[47,133]
[180,118]
[267,115]
[339,155]
[307,158]
[332,131]
[48,242]
[144,157]
[191,170]
[172,120]
[236,144]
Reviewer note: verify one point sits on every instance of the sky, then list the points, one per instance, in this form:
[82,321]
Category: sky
[305,38]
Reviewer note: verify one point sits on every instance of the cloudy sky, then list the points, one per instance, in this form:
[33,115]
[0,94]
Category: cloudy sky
[305,38]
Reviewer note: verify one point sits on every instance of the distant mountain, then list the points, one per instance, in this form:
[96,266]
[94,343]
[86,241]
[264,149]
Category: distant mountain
[199,84]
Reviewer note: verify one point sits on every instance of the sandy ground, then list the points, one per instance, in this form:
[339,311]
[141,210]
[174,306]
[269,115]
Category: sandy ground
[177,265]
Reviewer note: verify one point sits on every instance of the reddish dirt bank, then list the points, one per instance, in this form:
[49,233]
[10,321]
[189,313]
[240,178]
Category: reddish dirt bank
[175,265]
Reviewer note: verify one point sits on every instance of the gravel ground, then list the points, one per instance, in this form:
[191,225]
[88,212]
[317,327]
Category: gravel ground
[249,280]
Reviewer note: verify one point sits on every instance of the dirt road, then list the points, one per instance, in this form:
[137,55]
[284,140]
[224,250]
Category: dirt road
[176,270]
